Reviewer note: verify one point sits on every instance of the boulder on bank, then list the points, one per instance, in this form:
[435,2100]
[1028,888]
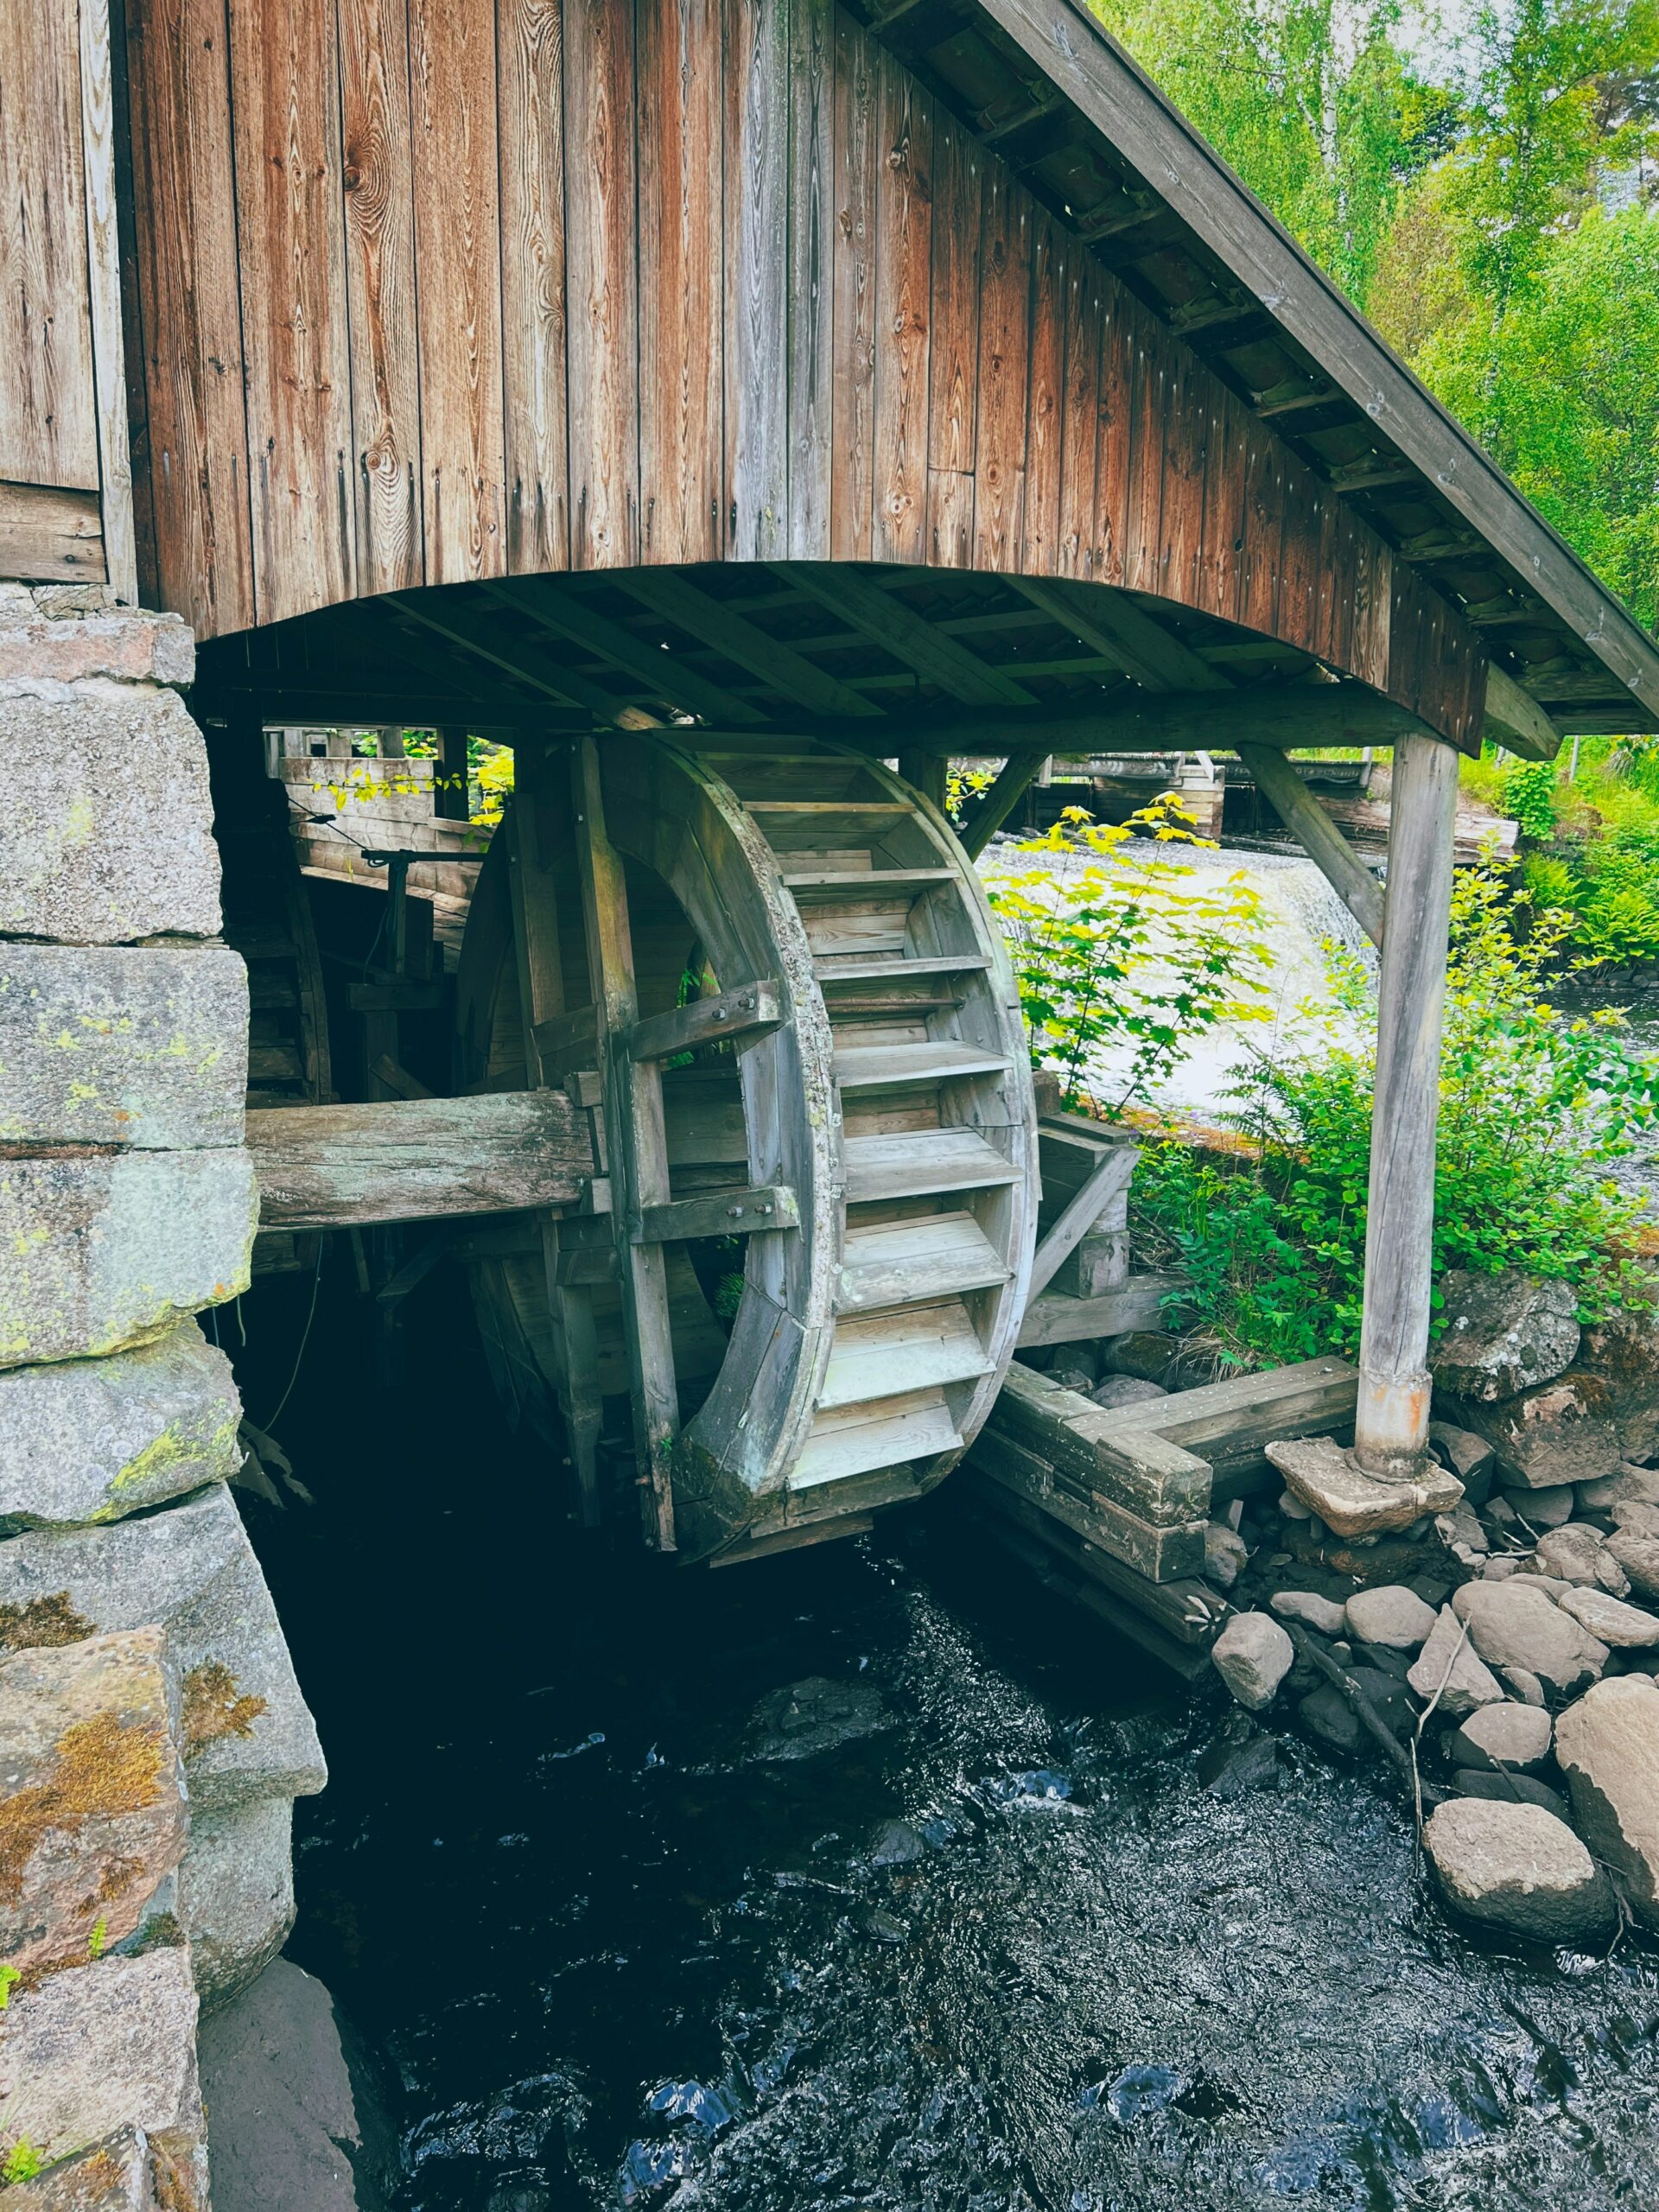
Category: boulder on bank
[1315,1611]
[1516,1866]
[1552,1434]
[1637,1554]
[1503,1333]
[1629,1486]
[1516,1736]
[1608,1748]
[1253,1655]
[1623,1354]
[1611,1620]
[1507,1789]
[1515,1623]
[1578,1556]
[1391,1614]
[1471,1458]
[1450,1668]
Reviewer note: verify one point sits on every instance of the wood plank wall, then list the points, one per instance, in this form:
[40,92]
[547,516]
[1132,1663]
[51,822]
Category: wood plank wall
[440,289]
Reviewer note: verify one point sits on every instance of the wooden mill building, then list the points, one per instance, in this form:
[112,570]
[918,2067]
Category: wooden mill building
[741,408]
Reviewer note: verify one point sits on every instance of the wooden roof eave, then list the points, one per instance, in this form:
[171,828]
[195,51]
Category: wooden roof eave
[1224,222]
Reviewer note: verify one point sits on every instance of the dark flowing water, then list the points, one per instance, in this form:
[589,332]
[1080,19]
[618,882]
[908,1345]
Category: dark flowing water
[866,1878]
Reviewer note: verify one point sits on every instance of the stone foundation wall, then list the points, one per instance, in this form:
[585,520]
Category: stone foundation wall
[154,1736]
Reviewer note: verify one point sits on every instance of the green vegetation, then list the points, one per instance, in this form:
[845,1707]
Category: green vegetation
[22,2162]
[1125,955]
[1533,1109]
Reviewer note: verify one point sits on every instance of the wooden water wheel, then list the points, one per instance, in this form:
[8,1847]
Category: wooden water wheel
[773,975]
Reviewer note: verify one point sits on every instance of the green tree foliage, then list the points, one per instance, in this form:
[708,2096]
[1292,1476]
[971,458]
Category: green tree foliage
[1533,1109]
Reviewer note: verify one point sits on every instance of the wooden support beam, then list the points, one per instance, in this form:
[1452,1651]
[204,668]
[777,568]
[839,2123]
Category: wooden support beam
[749,1011]
[720,1213]
[1114,625]
[927,772]
[638,1146]
[899,630]
[566,1042]
[740,640]
[450,798]
[667,673]
[533,875]
[416,1159]
[1018,774]
[1516,722]
[1391,1424]
[516,657]
[1105,1183]
[1318,836]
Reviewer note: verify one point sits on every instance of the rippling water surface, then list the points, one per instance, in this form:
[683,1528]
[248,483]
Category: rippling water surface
[868,1878]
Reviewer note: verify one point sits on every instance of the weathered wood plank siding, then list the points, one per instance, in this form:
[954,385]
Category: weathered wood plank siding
[532,284]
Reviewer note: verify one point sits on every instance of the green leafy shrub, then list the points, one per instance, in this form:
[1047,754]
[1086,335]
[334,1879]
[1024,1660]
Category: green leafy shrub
[1129,954]
[1528,793]
[1533,1109]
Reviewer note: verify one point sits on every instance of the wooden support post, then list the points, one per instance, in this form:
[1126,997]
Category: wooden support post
[1019,774]
[637,1147]
[1391,1427]
[541,999]
[1308,822]
[927,772]
[450,802]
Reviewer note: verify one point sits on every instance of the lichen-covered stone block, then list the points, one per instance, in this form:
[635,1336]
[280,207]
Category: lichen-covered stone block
[87,1440]
[118,2175]
[103,1251]
[106,835]
[122,1045]
[103,2047]
[246,1730]
[236,1894]
[92,1796]
[135,647]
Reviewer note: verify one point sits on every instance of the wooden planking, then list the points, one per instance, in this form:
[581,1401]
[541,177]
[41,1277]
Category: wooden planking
[50,536]
[291,243]
[600,217]
[810,367]
[852,497]
[48,395]
[377,159]
[99,149]
[452,69]
[953,410]
[1040,532]
[184,224]
[903,203]
[1076,550]
[1008,223]
[756,277]
[416,1159]
[681,309]
[529,38]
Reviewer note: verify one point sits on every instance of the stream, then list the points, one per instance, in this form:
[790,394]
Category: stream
[864,1877]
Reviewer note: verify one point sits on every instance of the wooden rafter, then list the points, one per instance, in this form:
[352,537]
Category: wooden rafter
[667,674]
[1115,626]
[920,645]
[778,664]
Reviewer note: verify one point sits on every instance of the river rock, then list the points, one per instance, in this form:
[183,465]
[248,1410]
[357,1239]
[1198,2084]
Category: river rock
[236,1894]
[122,1045]
[1225,1554]
[1517,1867]
[1635,1514]
[106,835]
[100,1252]
[1253,1655]
[1503,1333]
[1449,1668]
[1516,1736]
[93,1439]
[1391,1614]
[1239,1760]
[1623,1354]
[1143,1352]
[1511,1624]
[1624,1627]
[91,1799]
[805,1718]
[1507,1789]
[1607,1745]
[1523,1685]
[1552,1434]
[895,1843]
[1124,1390]
[1469,1458]
[1629,1486]
[1543,1509]
[1333,1485]
[1578,1556]
[106,2047]
[1322,1613]
[1638,1554]
[190,1567]
[290,2129]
